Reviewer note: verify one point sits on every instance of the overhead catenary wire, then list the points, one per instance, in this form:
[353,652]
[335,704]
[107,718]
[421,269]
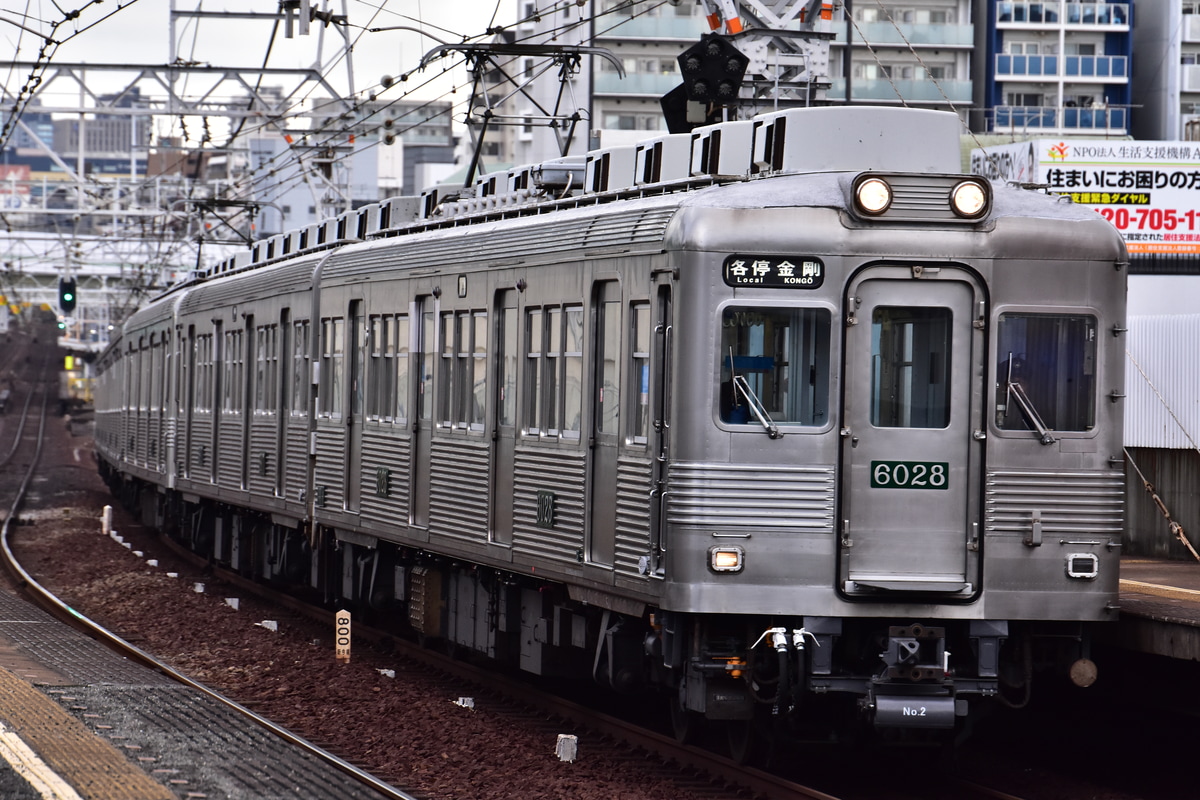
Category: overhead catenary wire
[1176,529]
[294,157]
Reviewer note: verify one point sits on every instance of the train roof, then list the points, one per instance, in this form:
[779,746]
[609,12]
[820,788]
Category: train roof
[805,140]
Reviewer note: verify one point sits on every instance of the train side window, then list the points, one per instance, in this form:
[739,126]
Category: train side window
[402,369]
[301,378]
[553,404]
[204,372]
[910,353]
[380,363]
[639,398]
[333,349]
[609,355]
[533,371]
[475,363]
[552,374]
[183,370]
[234,373]
[779,356]
[507,355]
[1046,371]
[266,369]
[462,389]
[572,379]
[446,372]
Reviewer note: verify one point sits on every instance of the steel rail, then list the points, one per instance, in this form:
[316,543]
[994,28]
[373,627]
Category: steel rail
[51,603]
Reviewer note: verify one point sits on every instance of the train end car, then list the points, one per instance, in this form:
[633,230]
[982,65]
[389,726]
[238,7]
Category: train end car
[795,421]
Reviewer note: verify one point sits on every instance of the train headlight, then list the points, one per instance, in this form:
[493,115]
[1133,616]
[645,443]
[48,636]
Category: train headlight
[969,199]
[873,196]
[726,559]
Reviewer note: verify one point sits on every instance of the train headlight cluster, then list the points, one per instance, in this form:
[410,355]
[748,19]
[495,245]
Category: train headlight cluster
[969,199]
[873,196]
[909,197]
[726,559]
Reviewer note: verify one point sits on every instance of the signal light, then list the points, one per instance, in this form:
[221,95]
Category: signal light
[66,295]
[713,70]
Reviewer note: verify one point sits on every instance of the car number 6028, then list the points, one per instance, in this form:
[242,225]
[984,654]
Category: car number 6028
[910,475]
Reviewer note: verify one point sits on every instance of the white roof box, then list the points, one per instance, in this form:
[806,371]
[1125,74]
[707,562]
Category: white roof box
[609,169]
[723,149]
[857,138]
[666,158]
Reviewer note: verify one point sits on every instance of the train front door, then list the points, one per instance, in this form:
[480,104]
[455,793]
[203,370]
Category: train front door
[911,432]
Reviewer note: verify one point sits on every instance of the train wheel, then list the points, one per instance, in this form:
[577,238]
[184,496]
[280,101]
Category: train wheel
[686,725]
[742,738]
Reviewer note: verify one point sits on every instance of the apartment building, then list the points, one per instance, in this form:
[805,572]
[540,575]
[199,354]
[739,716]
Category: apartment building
[1059,68]
[916,54]
[1166,70]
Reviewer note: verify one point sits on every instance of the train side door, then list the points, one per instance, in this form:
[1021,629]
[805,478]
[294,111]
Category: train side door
[912,405]
[504,402]
[424,350]
[605,363]
[351,467]
[283,397]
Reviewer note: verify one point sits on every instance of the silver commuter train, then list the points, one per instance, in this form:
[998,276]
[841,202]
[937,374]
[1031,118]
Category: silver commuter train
[785,416]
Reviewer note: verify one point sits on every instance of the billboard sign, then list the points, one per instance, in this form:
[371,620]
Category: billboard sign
[1149,190]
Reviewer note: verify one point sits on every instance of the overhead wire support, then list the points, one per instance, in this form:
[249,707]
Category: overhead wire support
[480,56]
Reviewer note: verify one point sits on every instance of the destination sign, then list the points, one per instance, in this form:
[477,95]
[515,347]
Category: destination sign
[776,272]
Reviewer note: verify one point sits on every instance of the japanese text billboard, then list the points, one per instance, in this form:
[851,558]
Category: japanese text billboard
[1149,190]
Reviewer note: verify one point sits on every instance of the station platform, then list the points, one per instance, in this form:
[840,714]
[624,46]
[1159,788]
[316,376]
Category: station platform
[79,722]
[1160,609]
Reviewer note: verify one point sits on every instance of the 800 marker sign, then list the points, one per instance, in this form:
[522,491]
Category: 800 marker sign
[910,475]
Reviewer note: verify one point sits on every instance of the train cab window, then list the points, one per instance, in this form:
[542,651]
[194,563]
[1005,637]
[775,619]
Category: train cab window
[774,362]
[910,353]
[1046,372]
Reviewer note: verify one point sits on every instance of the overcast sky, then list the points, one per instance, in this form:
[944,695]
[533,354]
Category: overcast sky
[139,33]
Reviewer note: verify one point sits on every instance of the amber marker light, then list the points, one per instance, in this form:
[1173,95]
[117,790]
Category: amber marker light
[725,559]
[873,196]
[969,199]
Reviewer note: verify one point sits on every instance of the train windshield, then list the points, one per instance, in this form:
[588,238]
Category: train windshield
[780,356]
[1046,372]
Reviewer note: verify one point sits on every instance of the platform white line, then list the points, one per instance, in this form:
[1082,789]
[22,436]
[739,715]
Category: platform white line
[1160,587]
[29,766]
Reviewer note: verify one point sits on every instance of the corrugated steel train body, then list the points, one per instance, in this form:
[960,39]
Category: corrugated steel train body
[587,436]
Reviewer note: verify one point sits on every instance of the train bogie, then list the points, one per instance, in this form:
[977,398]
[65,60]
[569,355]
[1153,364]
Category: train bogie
[845,426]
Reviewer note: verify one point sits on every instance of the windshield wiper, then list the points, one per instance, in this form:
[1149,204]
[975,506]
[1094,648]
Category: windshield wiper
[756,406]
[1016,391]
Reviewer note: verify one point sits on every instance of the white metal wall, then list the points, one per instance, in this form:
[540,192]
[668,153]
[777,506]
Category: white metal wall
[1162,382]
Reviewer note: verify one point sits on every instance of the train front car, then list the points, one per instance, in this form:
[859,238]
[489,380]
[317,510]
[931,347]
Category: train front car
[895,480]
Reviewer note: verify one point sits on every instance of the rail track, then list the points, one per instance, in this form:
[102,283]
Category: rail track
[35,414]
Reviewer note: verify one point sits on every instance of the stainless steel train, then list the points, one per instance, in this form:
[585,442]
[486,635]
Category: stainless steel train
[785,418]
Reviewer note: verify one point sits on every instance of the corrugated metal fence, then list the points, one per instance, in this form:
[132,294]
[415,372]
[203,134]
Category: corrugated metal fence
[1162,431]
